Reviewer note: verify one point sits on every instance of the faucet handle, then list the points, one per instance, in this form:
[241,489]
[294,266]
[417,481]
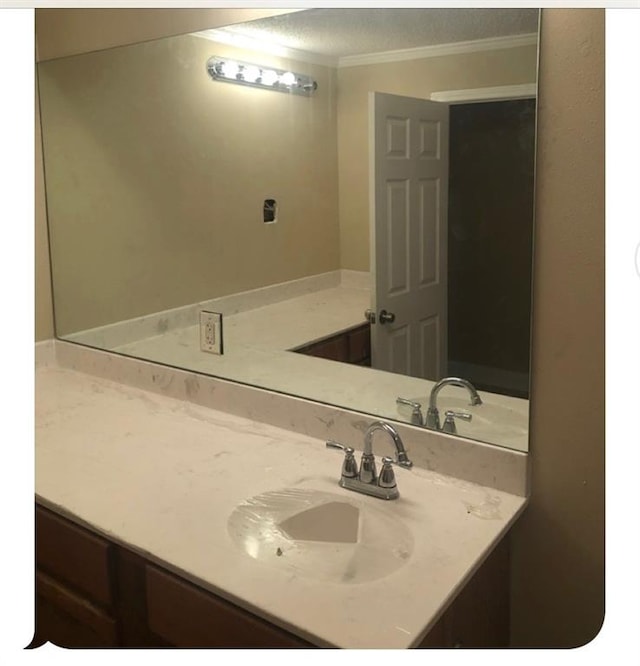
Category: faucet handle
[332,444]
[387,478]
[416,414]
[449,424]
[349,465]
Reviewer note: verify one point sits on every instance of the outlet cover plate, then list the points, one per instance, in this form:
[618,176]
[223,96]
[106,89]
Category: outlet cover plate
[211,332]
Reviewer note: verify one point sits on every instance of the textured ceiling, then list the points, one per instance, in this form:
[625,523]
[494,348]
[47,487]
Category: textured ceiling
[346,32]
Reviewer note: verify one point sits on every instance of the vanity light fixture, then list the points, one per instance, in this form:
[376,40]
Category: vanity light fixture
[269,78]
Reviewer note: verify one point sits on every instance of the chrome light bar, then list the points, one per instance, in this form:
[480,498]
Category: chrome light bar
[258,76]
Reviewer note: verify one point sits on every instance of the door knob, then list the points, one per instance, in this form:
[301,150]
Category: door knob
[386,317]
[370,316]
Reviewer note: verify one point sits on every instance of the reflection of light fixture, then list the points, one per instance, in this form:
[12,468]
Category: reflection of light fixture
[251,74]
[269,77]
[229,69]
[288,79]
[235,71]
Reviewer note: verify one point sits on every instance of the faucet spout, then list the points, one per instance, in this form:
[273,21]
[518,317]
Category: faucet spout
[401,454]
[433,416]
[454,381]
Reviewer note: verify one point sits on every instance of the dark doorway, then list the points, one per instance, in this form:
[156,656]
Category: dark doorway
[491,190]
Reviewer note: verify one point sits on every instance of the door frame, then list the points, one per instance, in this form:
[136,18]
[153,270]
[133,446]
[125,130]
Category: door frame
[492,94]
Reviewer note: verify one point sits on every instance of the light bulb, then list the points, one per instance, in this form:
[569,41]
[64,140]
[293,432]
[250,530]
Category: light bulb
[230,69]
[269,77]
[288,79]
[250,73]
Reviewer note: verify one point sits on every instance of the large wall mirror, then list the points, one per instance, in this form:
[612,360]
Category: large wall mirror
[361,241]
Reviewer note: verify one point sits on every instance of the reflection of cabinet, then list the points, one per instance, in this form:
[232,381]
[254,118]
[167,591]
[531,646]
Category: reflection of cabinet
[351,346]
[93,593]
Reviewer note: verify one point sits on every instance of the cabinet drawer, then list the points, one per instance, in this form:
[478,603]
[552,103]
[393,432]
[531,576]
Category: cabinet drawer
[68,620]
[73,555]
[187,616]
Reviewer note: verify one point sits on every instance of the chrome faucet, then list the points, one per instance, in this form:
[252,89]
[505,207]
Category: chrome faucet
[432,419]
[401,454]
[366,479]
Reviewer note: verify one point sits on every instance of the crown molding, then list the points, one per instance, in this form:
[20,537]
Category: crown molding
[496,93]
[438,50]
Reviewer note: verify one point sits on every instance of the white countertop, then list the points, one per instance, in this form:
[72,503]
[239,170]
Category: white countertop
[297,321]
[162,476]
[256,344]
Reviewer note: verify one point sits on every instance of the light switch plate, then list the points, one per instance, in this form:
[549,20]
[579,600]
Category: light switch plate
[211,332]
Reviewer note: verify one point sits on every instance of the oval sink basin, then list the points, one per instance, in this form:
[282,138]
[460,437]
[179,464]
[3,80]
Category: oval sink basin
[326,536]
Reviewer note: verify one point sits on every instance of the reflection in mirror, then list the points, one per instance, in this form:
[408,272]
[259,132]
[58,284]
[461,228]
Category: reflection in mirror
[361,242]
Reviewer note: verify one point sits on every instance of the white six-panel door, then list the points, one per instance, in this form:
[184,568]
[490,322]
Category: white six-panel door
[409,173]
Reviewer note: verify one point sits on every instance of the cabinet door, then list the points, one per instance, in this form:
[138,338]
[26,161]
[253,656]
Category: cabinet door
[359,341]
[187,616]
[439,635]
[479,616]
[333,349]
[352,346]
[74,556]
[74,589]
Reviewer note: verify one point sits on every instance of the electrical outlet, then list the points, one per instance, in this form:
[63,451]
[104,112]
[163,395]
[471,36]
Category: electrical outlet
[211,332]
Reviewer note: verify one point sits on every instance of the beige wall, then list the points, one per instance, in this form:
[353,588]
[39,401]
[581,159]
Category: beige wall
[61,32]
[129,238]
[414,78]
[557,558]
[558,545]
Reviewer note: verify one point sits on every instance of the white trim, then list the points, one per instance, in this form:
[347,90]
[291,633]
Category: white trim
[496,93]
[473,46]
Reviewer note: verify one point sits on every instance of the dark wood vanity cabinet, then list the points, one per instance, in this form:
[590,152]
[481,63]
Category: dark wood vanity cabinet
[75,602]
[93,593]
[479,616]
[187,616]
[351,346]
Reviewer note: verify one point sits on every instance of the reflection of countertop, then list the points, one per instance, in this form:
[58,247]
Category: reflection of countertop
[296,321]
[255,352]
[162,476]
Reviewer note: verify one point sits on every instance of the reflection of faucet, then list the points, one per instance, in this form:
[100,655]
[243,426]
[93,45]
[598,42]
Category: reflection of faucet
[366,480]
[416,410]
[432,419]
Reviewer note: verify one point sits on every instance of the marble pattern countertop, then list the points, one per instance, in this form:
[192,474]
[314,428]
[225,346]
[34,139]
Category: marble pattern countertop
[162,476]
[256,344]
